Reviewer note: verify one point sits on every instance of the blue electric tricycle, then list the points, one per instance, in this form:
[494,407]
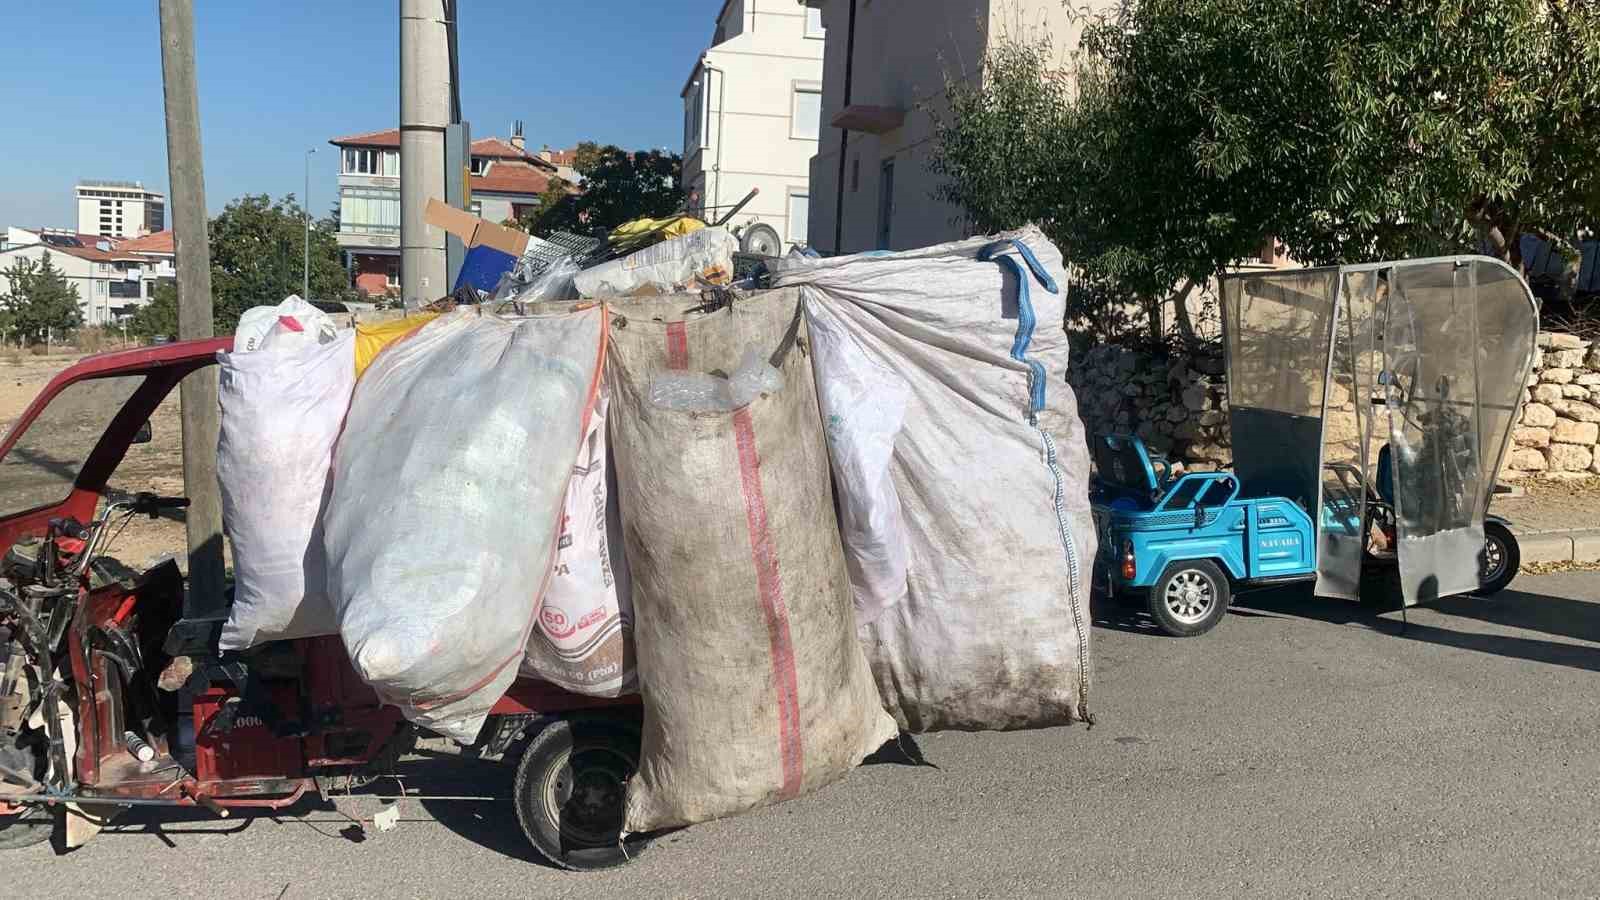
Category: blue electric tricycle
[1371,407]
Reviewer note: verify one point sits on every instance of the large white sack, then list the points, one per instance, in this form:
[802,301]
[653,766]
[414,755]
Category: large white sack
[301,324]
[755,688]
[281,414]
[989,475]
[686,263]
[446,504]
[583,639]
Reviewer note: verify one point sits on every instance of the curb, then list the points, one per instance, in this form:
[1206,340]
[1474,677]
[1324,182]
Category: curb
[1579,545]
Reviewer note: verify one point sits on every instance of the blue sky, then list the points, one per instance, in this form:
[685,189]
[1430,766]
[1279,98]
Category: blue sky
[278,76]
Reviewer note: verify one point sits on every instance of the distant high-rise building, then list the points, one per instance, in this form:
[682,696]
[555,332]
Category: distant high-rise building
[120,209]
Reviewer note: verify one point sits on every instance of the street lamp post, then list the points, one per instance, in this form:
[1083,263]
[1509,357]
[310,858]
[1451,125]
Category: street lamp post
[305,286]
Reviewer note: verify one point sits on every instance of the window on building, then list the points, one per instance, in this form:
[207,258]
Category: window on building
[694,117]
[476,208]
[393,272]
[806,115]
[814,27]
[799,216]
[367,161]
[370,211]
[479,165]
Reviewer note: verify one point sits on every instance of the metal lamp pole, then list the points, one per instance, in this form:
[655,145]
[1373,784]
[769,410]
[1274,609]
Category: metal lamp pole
[305,287]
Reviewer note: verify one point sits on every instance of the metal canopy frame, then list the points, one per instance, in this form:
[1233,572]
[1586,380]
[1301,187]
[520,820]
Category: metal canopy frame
[1279,435]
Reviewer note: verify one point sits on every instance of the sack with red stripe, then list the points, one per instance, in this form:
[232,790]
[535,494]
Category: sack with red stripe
[963,470]
[755,690]
[445,507]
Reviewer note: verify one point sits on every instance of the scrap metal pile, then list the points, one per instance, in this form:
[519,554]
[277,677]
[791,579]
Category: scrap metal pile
[796,521]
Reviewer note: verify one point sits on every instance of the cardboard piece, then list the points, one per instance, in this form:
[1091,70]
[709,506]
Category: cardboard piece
[473,231]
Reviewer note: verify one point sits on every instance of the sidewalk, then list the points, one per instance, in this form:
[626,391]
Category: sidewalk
[1555,521]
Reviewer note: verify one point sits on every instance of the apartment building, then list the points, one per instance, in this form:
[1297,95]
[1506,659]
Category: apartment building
[113,278]
[505,182]
[119,209]
[752,113]
[886,68]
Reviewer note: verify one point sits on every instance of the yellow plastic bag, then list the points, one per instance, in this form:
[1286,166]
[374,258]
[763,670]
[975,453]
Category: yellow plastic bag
[371,339]
[662,229]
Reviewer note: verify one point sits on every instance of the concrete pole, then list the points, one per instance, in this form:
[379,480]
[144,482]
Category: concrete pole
[424,114]
[198,393]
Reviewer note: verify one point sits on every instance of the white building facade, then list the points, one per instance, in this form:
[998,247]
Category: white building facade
[111,285]
[120,209]
[752,115]
[871,185]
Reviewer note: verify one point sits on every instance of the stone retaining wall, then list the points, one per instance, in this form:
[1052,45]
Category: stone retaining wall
[1179,405]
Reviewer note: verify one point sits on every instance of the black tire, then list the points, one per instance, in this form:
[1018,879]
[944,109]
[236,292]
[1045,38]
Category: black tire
[1190,598]
[34,825]
[569,791]
[1501,559]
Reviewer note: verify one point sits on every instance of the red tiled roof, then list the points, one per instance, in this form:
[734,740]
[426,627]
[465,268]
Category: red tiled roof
[388,138]
[491,147]
[562,157]
[159,243]
[509,178]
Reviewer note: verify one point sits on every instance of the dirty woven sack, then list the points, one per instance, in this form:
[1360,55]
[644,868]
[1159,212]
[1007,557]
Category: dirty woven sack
[445,508]
[305,323]
[986,498]
[755,689]
[583,641]
[281,414]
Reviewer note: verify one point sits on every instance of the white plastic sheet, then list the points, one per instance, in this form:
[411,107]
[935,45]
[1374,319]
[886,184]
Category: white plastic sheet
[445,509]
[281,414]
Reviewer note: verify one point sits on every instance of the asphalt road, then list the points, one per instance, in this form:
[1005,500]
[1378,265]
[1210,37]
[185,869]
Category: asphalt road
[1303,749]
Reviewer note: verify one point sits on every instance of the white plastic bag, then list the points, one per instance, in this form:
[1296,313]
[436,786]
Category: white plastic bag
[302,324]
[281,414]
[697,259]
[445,509]
[583,641]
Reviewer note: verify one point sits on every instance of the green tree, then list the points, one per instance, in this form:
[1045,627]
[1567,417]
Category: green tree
[618,186]
[159,316]
[39,301]
[1178,141]
[256,258]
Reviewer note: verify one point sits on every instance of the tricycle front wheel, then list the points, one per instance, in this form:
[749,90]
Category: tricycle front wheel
[570,791]
[1190,598]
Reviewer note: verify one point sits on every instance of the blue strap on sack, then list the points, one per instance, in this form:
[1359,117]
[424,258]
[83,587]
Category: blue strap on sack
[997,253]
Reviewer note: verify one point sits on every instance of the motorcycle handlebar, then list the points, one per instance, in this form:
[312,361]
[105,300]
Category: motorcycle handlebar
[151,504]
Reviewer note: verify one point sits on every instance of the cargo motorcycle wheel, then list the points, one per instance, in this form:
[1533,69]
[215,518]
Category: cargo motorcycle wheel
[570,789]
[1501,559]
[1190,598]
[32,825]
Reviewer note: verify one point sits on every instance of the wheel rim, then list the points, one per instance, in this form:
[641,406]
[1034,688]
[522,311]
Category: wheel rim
[1494,560]
[1190,596]
[583,795]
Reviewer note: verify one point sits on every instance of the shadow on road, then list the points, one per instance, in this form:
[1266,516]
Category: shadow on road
[1559,616]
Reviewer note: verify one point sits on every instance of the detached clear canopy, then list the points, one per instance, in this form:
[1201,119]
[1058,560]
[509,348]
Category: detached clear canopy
[1327,366]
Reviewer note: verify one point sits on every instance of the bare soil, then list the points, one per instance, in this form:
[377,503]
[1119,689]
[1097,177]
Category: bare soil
[57,449]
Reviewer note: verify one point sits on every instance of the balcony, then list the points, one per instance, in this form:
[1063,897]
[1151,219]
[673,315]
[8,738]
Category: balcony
[367,237]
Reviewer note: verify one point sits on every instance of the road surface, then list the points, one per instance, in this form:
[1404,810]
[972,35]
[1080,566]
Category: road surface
[1302,749]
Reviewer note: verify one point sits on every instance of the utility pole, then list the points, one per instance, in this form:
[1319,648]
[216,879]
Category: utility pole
[305,284]
[198,393]
[425,92]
